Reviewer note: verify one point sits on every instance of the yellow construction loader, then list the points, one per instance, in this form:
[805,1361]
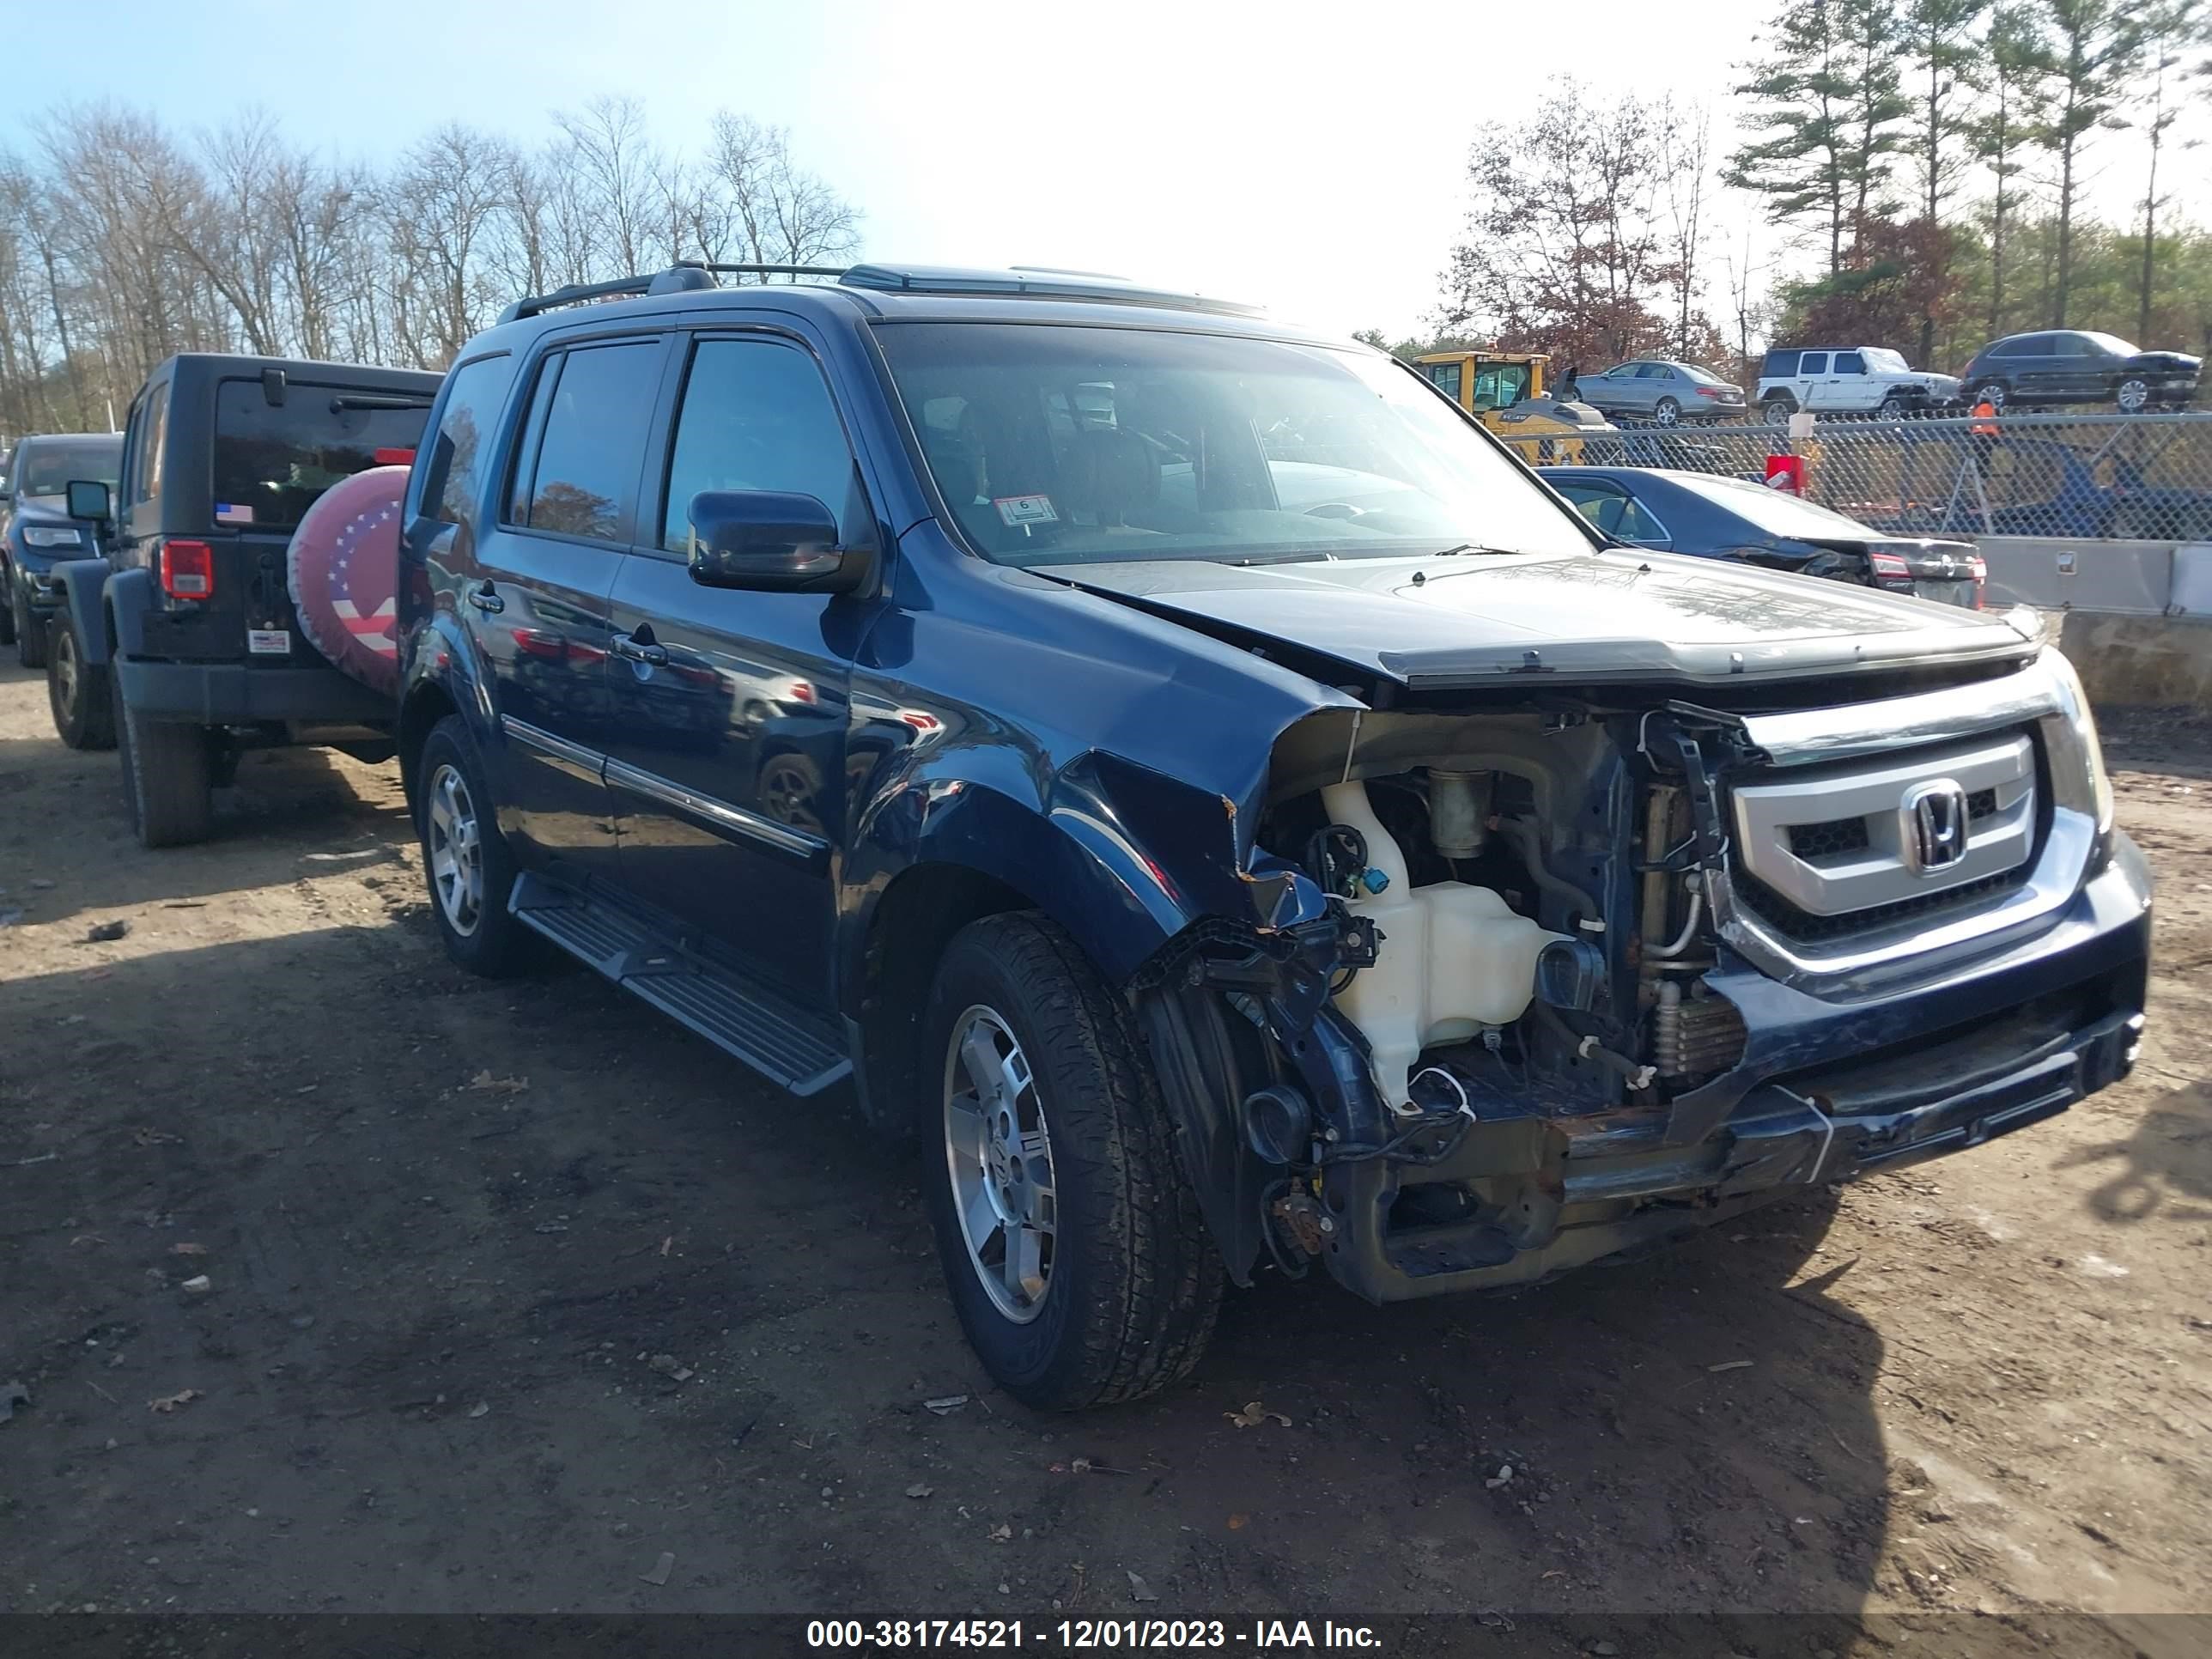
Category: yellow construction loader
[1511,393]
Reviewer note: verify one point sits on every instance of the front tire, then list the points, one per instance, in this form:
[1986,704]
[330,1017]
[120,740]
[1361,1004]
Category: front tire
[1667,411]
[466,862]
[30,638]
[2132,395]
[1991,392]
[78,692]
[168,785]
[1071,1243]
[1892,408]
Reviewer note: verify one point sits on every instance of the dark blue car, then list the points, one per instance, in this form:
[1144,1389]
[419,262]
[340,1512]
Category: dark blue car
[1721,518]
[37,533]
[1185,775]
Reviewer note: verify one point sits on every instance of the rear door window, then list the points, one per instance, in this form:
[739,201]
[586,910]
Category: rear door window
[1849,362]
[273,461]
[1813,362]
[588,431]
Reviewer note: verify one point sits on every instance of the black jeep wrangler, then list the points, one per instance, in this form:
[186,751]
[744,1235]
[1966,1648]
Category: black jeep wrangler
[181,645]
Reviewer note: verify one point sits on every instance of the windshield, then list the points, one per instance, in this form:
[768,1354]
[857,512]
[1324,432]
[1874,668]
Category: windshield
[272,461]
[45,468]
[1704,376]
[1057,445]
[1887,362]
[2111,343]
[1770,510]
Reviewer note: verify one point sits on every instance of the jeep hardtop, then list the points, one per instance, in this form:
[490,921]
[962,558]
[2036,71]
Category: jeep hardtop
[1186,775]
[181,645]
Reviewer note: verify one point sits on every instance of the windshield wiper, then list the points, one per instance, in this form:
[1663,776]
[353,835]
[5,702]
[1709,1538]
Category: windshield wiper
[1468,547]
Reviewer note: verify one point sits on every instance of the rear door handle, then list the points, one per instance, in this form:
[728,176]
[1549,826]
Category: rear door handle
[634,650]
[486,599]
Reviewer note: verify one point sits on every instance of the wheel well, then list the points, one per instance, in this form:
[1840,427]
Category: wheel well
[914,919]
[426,705]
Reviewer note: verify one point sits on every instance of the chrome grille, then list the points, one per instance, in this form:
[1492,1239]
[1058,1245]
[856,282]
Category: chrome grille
[1827,851]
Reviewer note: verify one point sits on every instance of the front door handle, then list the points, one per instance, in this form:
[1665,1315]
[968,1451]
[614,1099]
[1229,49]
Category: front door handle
[631,649]
[486,599]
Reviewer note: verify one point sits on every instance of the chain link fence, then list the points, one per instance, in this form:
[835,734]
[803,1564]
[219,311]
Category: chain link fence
[2086,477]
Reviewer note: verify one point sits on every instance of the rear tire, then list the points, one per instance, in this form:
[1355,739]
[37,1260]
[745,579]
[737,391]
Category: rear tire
[30,638]
[1776,411]
[1991,392]
[1115,1294]
[466,863]
[2132,395]
[77,691]
[167,776]
[8,630]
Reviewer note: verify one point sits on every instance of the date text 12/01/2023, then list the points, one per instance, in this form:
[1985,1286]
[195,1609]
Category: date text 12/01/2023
[1088,1633]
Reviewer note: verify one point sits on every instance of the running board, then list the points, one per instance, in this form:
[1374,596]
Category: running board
[799,1051]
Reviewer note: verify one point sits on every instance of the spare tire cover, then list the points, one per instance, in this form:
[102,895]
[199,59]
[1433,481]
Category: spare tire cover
[343,568]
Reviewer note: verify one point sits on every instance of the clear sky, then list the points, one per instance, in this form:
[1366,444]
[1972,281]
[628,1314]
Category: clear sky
[1306,156]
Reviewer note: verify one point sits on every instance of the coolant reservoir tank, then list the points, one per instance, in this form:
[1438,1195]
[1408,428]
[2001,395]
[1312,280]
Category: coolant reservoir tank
[1454,958]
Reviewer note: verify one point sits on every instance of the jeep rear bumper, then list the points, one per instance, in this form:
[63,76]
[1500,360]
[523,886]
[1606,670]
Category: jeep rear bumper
[1867,1084]
[232,694]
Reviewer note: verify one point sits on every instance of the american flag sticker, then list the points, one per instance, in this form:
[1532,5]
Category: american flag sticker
[234,513]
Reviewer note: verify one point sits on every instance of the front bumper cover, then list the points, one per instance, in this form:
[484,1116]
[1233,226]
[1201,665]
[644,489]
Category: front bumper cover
[1830,1090]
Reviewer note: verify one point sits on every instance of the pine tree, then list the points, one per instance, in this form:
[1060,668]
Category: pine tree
[2017,79]
[1947,66]
[2096,45]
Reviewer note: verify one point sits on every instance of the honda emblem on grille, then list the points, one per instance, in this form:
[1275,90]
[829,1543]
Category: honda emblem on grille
[1932,826]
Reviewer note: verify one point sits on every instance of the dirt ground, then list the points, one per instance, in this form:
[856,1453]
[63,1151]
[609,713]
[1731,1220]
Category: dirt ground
[511,1289]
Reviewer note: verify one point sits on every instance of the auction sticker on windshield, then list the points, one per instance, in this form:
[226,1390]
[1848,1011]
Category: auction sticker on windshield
[1019,510]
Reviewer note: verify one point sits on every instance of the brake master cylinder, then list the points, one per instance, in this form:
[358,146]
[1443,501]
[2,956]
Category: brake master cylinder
[1455,958]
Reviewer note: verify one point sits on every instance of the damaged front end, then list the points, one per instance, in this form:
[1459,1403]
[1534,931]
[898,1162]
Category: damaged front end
[1519,997]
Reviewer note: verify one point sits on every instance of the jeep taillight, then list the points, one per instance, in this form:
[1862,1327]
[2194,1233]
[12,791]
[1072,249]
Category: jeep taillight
[187,570]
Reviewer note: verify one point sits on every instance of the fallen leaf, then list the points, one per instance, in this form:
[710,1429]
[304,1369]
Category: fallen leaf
[1138,1590]
[198,1284]
[188,1249]
[1001,1534]
[661,1568]
[944,1403]
[146,1137]
[1238,1523]
[170,1402]
[918,1490]
[485,1083]
[1731,1366]
[480,1408]
[101,933]
[1254,1414]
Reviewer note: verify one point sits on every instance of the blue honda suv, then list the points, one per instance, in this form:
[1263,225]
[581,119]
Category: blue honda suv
[1190,778]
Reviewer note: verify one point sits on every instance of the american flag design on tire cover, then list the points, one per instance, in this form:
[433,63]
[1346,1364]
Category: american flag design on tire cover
[344,569]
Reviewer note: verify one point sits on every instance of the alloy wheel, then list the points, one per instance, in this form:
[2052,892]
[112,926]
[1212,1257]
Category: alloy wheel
[2134,395]
[456,850]
[66,671]
[998,1155]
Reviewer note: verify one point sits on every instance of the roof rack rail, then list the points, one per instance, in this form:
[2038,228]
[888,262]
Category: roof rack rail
[685,275]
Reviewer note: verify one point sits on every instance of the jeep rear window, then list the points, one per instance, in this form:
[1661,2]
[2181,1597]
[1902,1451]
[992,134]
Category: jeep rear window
[272,461]
[1781,364]
[1054,444]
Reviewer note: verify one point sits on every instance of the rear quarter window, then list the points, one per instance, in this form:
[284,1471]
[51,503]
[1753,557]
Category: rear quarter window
[272,461]
[1781,364]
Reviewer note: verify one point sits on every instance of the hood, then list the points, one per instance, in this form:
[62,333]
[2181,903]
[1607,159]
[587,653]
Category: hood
[1936,382]
[1446,623]
[2166,359]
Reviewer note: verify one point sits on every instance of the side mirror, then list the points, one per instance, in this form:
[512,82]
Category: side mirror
[88,498]
[771,542]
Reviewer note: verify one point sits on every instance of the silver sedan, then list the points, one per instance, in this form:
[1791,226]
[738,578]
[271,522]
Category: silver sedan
[1652,389]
